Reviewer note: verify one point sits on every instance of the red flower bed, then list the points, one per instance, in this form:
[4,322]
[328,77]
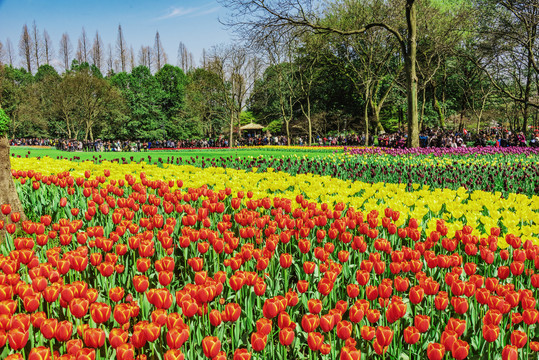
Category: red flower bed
[136,269]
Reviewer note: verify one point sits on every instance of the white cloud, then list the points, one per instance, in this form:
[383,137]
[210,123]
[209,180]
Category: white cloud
[177,12]
[209,11]
[189,11]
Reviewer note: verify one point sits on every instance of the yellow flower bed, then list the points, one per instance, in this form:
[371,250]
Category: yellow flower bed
[517,213]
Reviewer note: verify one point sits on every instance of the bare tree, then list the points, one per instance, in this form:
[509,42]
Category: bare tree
[131,58]
[185,57]
[83,47]
[255,19]
[110,60]
[65,50]
[279,51]
[9,52]
[47,47]
[204,58]
[26,48]
[37,45]
[146,56]
[238,71]
[2,53]
[97,51]
[509,47]
[121,48]
[160,55]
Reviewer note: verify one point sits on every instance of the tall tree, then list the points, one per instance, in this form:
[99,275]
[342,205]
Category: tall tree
[281,78]
[238,71]
[10,52]
[26,48]
[37,45]
[97,52]
[172,82]
[185,58]
[255,19]
[83,47]
[121,49]
[2,54]
[110,60]
[47,47]
[65,51]
[508,50]
[131,58]
[204,101]
[160,55]
[146,56]
[143,95]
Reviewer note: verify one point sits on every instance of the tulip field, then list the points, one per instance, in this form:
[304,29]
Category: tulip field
[243,259]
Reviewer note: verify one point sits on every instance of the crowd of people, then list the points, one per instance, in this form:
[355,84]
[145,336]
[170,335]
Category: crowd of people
[434,137]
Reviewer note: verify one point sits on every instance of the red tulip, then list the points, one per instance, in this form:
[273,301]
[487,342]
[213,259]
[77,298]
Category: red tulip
[459,304]
[116,294]
[232,312]
[286,336]
[457,325]
[435,351]
[118,337]
[416,294]
[241,354]
[510,353]
[422,323]
[94,338]
[310,322]
[344,329]
[519,338]
[174,354]
[384,335]
[40,353]
[491,332]
[73,346]
[126,351]
[315,340]
[215,317]
[411,335]
[302,285]
[315,306]
[530,316]
[17,338]
[100,312]
[258,341]
[448,338]
[349,353]
[176,337]
[78,307]
[441,302]
[460,349]
[211,346]
[263,326]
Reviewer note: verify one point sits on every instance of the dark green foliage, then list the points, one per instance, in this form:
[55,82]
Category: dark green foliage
[4,122]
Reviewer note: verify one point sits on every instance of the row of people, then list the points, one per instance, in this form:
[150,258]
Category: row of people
[428,138]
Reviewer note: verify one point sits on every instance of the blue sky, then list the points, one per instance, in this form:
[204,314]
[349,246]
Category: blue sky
[193,22]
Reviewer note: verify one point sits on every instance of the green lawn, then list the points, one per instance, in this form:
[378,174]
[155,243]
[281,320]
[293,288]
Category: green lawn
[155,155]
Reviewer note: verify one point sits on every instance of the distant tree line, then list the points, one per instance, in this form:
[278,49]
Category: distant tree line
[305,68]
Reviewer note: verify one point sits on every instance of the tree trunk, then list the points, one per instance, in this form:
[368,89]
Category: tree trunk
[411,75]
[288,132]
[438,108]
[423,108]
[366,114]
[310,121]
[8,195]
[231,130]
